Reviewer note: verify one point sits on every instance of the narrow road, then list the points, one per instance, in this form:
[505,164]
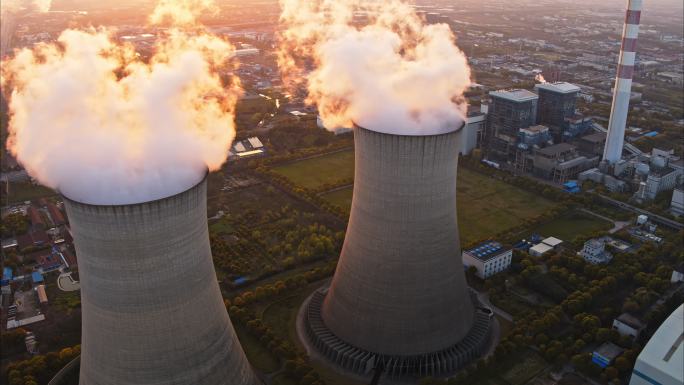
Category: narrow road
[617,225]
[484,298]
[653,217]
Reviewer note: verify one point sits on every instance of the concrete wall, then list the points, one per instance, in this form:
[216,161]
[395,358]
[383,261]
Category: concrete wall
[400,287]
[152,309]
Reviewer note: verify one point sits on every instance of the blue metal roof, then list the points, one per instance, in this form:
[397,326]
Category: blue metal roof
[486,250]
[36,277]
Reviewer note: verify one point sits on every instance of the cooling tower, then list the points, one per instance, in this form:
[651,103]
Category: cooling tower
[623,84]
[152,310]
[399,298]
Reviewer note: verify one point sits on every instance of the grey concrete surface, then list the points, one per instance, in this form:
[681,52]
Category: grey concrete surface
[399,287]
[152,311]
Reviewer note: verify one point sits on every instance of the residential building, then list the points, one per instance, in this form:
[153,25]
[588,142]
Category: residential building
[661,362]
[594,252]
[488,258]
[628,325]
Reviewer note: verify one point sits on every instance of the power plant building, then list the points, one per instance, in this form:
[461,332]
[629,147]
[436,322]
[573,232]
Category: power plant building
[662,359]
[557,105]
[509,111]
[488,259]
[151,305]
[398,301]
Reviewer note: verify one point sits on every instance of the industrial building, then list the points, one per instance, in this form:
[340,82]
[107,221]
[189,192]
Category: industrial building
[547,245]
[628,325]
[398,300]
[152,308]
[541,134]
[557,105]
[488,258]
[472,134]
[606,354]
[559,163]
[509,111]
[662,359]
[677,203]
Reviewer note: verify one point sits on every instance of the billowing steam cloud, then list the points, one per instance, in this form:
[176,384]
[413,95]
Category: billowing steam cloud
[392,74]
[93,120]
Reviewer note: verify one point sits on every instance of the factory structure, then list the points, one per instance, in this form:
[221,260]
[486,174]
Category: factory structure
[662,359]
[541,133]
[646,175]
[152,308]
[398,301]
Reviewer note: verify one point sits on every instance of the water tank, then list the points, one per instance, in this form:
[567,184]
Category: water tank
[643,169]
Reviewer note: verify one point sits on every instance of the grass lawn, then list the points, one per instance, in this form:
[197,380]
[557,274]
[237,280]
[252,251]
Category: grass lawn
[518,370]
[571,225]
[524,369]
[256,353]
[24,191]
[486,206]
[315,172]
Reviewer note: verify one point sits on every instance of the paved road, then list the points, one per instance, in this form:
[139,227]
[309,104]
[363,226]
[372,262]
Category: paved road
[484,298]
[653,217]
[617,225]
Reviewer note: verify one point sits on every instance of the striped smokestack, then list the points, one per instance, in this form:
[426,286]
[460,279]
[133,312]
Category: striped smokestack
[623,84]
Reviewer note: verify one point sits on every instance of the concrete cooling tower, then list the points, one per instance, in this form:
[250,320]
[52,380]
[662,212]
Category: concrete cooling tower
[152,310]
[399,299]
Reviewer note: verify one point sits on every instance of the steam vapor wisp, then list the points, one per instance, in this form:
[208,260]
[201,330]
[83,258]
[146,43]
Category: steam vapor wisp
[393,74]
[91,119]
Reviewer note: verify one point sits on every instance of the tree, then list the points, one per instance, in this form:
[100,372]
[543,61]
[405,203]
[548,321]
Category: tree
[622,364]
[611,372]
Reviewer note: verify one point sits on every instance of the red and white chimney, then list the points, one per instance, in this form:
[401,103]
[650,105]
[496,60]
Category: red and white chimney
[623,85]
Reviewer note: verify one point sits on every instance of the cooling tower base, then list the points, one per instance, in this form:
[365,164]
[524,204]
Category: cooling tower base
[363,363]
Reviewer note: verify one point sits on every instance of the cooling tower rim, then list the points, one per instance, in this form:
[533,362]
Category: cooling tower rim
[459,128]
[76,202]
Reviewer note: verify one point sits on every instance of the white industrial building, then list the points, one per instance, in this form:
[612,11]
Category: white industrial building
[547,245]
[678,274]
[488,258]
[594,252]
[677,204]
[628,325]
[473,131]
[662,360]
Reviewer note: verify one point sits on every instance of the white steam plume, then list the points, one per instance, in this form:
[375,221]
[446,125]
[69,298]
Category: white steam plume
[394,74]
[89,118]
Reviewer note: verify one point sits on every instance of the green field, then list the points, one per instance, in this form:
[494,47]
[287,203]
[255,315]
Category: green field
[486,206]
[24,191]
[571,225]
[315,172]
[256,353]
